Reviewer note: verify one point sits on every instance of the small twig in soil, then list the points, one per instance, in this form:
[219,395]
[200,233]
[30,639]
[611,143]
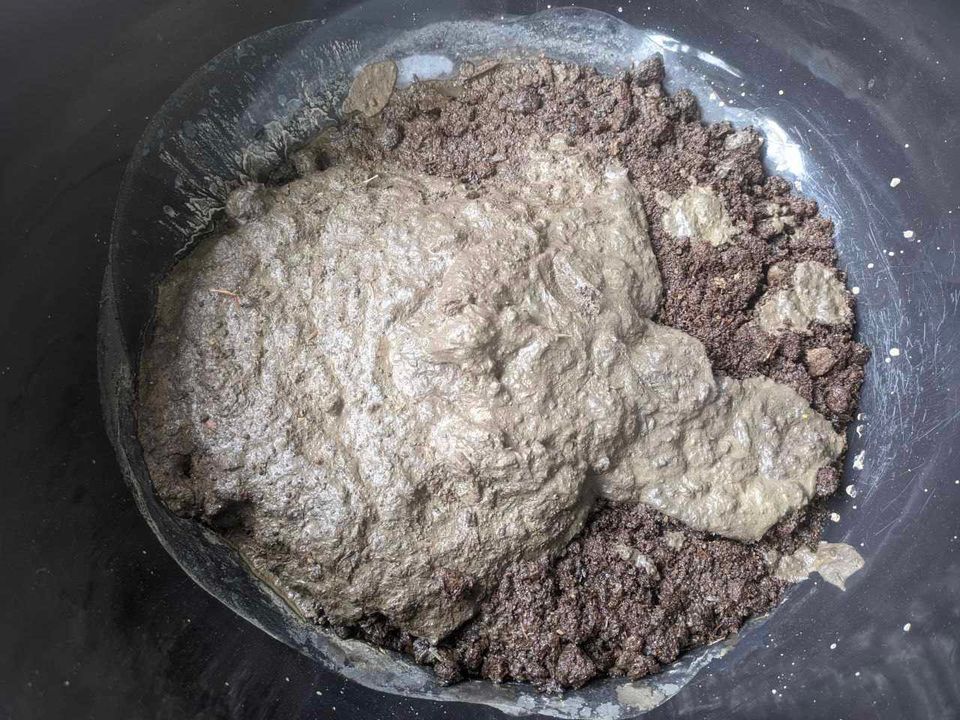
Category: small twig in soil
[481,71]
[221,291]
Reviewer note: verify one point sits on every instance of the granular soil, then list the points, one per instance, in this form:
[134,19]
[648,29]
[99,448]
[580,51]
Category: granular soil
[635,589]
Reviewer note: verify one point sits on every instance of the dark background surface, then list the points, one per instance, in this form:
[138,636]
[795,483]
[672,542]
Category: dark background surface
[96,621]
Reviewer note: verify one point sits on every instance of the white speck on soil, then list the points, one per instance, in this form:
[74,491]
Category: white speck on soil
[894,182]
[858,460]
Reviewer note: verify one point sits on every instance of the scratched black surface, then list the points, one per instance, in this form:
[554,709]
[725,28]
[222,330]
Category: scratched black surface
[96,621]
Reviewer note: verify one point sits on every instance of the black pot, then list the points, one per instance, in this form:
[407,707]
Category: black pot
[853,114]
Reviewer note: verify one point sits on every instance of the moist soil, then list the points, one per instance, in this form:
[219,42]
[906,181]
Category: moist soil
[634,589]
[595,610]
